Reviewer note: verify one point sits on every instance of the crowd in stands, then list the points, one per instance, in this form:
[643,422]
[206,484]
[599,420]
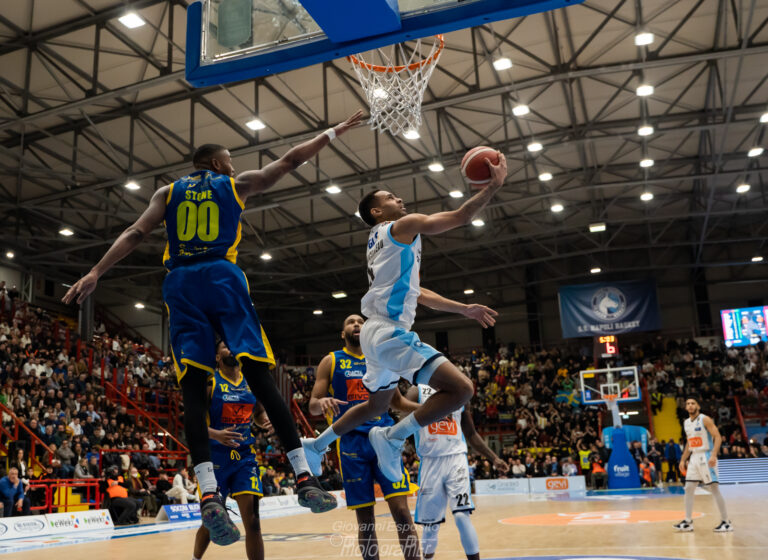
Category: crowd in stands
[529,401]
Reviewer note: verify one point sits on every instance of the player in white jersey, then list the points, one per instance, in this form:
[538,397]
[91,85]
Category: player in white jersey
[391,350]
[702,446]
[444,473]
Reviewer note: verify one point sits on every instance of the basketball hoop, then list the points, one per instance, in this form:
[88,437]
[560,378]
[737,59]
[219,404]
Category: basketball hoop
[395,91]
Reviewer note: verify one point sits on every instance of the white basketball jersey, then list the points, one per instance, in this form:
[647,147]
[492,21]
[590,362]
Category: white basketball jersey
[443,437]
[393,276]
[699,438]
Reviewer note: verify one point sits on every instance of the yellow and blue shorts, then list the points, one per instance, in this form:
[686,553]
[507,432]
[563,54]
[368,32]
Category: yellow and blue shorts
[237,472]
[360,469]
[206,298]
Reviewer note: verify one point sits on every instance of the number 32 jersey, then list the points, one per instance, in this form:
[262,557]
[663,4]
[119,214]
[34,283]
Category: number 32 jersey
[202,219]
[443,437]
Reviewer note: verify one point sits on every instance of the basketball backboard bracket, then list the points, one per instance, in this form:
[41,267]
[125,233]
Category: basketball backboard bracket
[209,62]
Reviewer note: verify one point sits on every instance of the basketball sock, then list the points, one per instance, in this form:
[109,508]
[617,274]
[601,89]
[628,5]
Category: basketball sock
[404,428]
[263,387]
[714,489]
[193,390]
[690,490]
[205,477]
[467,533]
[298,461]
[325,439]
[429,539]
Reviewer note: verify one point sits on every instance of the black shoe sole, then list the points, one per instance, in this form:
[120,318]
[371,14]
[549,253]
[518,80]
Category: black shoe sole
[316,499]
[220,527]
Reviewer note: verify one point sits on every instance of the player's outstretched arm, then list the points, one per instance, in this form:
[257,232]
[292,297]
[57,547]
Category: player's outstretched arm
[476,442]
[480,313]
[253,182]
[320,404]
[408,227]
[122,247]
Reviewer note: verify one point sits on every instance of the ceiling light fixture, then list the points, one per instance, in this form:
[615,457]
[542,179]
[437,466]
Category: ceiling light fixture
[502,63]
[341,294]
[138,305]
[646,196]
[436,167]
[546,176]
[66,232]
[595,270]
[520,110]
[456,194]
[756,151]
[744,187]
[535,147]
[764,118]
[255,124]
[645,130]
[317,312]
[597,227]
[757,258]
[557,208]
[265,256]
[132,186]
[131,20]
[478,222]
[469,292]
[10,254]
[411,134]
[644,90]
[332,189]
[644,38]
[646,162]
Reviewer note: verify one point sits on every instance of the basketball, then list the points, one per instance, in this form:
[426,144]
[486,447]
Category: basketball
[473,166]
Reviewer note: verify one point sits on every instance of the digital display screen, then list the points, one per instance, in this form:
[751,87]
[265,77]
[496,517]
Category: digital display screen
[745,326]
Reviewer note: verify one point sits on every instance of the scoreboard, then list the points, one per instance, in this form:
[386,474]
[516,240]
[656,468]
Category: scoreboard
[606,346]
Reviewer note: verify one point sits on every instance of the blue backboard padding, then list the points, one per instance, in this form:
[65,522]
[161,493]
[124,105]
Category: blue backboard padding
[347,20]
[322,49]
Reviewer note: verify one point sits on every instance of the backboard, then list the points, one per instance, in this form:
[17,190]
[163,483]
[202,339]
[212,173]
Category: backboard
[621,382]
[233,40]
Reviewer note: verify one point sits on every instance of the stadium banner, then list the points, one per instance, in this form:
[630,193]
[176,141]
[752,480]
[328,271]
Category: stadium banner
[20,527]
[502,486]
[79,521]
[176,513]
[608,308]
[558,484]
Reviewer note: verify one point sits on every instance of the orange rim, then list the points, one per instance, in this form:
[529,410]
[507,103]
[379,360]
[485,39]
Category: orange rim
[413,66]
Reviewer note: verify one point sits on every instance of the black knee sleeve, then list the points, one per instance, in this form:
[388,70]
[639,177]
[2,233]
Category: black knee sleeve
[265,390]
[194,384]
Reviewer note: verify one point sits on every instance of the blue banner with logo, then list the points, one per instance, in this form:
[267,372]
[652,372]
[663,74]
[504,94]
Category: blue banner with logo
[608,308]
[182,512]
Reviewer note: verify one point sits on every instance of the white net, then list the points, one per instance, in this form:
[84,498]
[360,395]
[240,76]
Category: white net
[394,80]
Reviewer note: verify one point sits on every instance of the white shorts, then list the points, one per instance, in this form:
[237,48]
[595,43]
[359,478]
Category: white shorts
[699,470]
[391,353]
[443,482]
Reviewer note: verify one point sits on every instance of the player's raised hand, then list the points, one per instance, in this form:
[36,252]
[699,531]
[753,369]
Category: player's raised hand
[498,171]
[351,122]
[81,289]
[480,313]
[330,405]
[500,465]
[228,436]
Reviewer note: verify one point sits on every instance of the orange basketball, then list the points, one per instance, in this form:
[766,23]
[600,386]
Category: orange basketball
[474,168]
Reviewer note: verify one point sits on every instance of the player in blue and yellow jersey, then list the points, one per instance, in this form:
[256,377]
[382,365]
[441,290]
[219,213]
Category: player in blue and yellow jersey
[338,387]
[206,293]
[231,410]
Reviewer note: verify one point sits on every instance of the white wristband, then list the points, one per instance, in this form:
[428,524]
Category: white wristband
[330,133]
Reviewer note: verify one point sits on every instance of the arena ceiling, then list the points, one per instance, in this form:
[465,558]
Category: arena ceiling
[88,105]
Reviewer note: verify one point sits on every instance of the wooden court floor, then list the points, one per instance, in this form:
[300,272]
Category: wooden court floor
[623,526]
